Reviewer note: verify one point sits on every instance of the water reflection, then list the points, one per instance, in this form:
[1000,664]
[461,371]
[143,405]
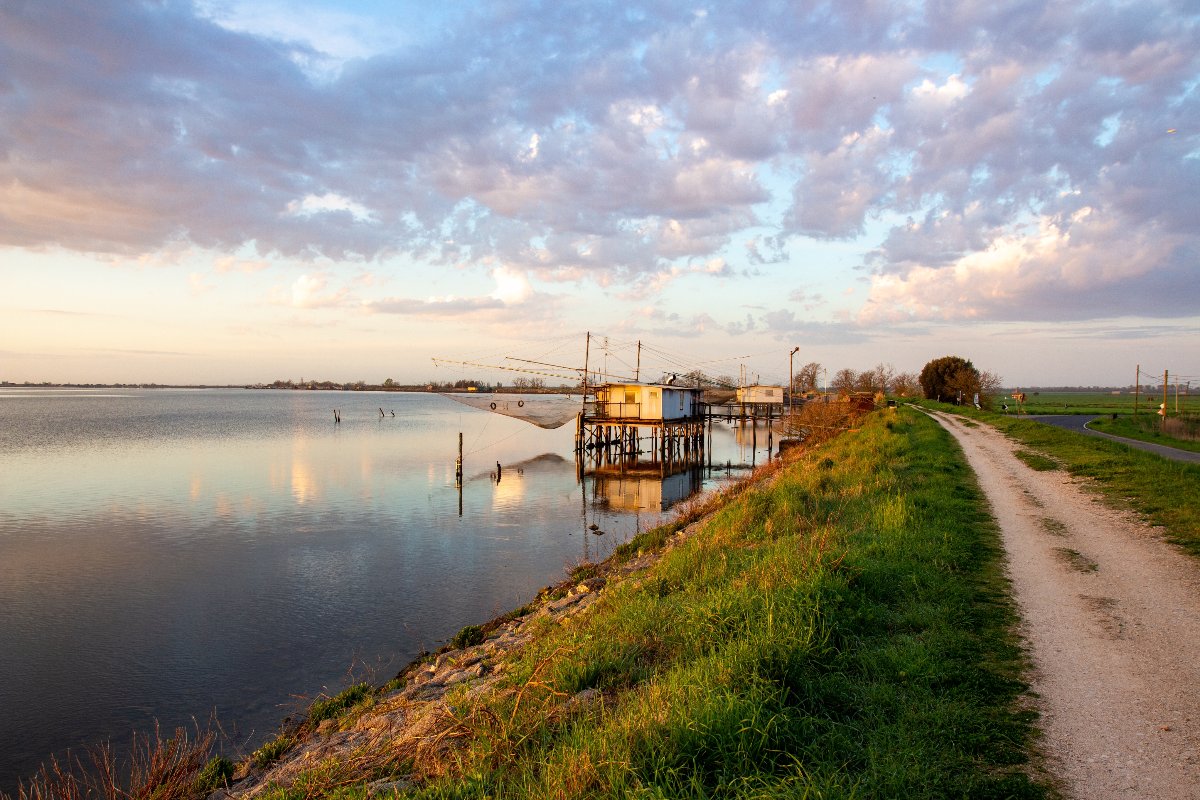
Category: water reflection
[645,486]
[164,554]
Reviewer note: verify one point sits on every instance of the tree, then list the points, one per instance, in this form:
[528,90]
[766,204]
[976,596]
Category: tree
[844,381]
[865,382]
[989,388]
[954,379]
[805,379]
[943,378]
[905,384]
[882,377]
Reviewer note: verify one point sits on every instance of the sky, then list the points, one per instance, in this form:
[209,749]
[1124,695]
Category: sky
[235,191]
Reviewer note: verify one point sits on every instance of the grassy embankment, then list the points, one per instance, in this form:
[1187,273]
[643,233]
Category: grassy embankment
[1166,493]
[838,629]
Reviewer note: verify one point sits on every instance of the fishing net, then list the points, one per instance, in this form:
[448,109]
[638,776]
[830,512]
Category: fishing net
[544,411]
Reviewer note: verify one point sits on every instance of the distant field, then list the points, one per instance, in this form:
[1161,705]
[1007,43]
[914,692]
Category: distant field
[1098,403]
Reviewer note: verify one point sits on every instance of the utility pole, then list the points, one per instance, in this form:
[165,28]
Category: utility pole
[1136,387]
[587,351]
[1164,402]
[637,371]
[791,380]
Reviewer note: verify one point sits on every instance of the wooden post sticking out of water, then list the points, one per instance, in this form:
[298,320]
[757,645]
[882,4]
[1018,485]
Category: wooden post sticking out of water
[458,465]
[458,474]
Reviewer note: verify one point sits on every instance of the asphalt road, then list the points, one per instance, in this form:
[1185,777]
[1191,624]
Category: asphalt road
[1078,422]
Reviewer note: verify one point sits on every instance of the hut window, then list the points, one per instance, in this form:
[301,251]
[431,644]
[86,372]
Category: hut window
[631,396]
[681,401]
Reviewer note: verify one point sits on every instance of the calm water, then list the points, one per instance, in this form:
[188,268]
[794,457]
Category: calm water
[168,554]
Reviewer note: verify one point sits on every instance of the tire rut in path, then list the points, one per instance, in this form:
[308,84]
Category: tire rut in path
[1111,617]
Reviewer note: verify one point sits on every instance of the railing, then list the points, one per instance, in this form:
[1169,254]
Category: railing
[604,410]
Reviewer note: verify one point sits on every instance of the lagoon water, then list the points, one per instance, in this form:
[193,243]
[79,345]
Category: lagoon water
[167,555]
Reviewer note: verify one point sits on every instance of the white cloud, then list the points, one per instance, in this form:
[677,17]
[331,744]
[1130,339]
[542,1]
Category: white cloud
[512,287]
[1083,266]
[609,147]
[329,202]
[235,264]
[953,89]
[310,291]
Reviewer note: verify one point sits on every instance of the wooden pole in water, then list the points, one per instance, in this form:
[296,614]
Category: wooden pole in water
[458,465]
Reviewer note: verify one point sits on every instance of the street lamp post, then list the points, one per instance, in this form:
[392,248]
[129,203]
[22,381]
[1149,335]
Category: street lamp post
[791,380]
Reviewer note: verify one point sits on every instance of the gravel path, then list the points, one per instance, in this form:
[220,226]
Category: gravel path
[1111,616]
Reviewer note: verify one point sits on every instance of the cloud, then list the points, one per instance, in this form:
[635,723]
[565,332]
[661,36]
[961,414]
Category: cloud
[841,187]
[512,287]
[225,264]
[448,306]
[310,291]
[514,297]
[575,142]
[329,203]
[1090,265]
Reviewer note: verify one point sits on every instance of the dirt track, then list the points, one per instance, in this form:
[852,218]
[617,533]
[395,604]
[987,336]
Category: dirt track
[1111,615]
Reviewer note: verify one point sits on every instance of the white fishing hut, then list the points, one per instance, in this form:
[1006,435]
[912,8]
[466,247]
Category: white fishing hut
[647,402]
[673,414]
[759,395]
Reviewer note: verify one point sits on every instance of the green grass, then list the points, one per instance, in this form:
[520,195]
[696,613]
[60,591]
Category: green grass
[1098,403]
[468,637]
[842,631]
[1165,492]
[272,751]
[1149,428]
[215,774]
[330,707]
[1037,461]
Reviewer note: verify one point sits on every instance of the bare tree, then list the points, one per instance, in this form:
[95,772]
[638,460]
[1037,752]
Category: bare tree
[865,381]
[806,379]
[905,384]
[882,377]
[989,388]
[844,381]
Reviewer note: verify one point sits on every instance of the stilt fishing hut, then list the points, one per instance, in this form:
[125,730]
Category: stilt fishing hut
[759,401]
[672,415]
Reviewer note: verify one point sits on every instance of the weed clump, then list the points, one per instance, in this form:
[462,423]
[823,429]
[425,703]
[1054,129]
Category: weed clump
[330,707]
[215,774]
[469,636]
[272,751]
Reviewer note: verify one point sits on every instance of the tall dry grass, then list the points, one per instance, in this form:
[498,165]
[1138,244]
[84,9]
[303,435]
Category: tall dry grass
[157,767]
